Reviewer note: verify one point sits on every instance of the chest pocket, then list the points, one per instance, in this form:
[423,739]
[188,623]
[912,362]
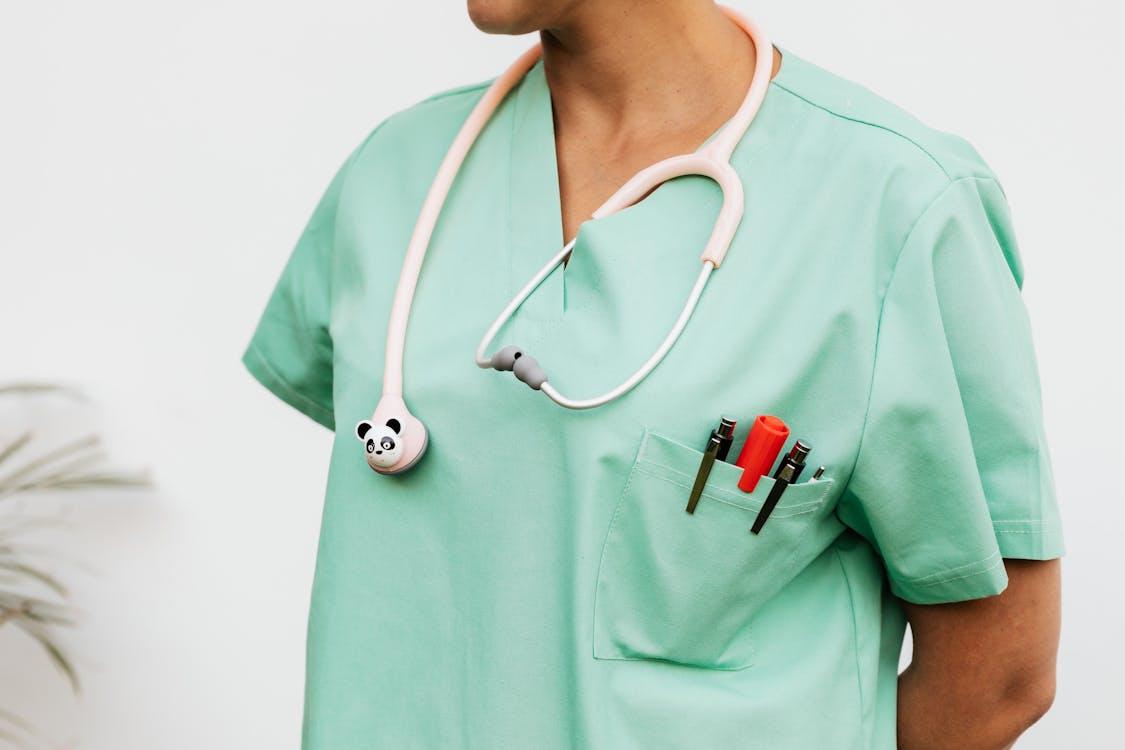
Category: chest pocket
[684,588]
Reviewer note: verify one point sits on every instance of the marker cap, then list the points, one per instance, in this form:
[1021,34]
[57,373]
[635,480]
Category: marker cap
[767,436]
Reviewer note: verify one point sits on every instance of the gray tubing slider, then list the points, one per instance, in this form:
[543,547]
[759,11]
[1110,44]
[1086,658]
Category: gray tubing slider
[524,366]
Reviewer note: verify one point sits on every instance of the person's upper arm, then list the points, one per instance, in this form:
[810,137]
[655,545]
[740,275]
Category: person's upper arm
[290,351]
[953,472]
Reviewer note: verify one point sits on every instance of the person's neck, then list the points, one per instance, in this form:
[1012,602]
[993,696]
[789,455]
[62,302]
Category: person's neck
[632,70]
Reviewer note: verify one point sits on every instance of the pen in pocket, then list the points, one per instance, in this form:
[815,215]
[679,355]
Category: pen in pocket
[786,474]
[718,446]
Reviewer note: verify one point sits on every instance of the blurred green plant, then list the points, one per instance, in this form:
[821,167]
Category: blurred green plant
[32,598]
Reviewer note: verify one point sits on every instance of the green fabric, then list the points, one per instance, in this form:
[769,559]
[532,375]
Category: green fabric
[534,581]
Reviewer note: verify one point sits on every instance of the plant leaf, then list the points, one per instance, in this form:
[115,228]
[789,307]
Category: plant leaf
[15,445]
[61,474]
[54,652]
[81,444]
[13,527]
[28,609]
[90,481]
[35,574]
[29,388]
[19,732]
[60,659]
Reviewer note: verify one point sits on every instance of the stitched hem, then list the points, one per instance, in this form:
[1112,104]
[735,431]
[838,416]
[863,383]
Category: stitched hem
[975,580]
[263,371]
[1029,540]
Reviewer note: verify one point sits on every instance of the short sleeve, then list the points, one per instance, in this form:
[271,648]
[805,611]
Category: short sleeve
[953,472]
[290,351]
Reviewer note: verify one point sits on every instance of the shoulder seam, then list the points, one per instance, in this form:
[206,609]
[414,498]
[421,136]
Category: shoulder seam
[471,88]
[868,123]
[921,215]
[355,156]
[466,89]
[357,153]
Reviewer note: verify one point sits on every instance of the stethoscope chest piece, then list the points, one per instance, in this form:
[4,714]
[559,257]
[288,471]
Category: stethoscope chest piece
[393,438]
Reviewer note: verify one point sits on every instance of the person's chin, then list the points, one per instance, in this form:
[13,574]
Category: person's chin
[504,16]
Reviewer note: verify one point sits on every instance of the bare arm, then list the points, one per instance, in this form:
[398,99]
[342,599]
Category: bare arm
[984,670]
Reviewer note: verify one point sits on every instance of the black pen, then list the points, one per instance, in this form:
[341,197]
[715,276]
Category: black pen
[785,475]
[725,435]
[718,446]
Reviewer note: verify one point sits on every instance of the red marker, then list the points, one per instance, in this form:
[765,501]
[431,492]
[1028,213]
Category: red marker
[767,435]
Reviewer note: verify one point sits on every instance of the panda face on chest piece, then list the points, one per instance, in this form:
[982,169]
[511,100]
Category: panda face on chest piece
[381,442]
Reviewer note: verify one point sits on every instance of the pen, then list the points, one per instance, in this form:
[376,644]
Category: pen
[718,445]
[785,475]
[725,435]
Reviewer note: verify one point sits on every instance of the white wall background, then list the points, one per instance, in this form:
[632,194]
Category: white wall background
[157,161]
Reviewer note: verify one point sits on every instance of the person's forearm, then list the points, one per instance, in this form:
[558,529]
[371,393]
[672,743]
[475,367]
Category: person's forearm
[983,670]
[933,714]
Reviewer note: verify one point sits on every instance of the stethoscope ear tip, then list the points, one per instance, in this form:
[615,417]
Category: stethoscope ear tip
[394,440]
[523,365]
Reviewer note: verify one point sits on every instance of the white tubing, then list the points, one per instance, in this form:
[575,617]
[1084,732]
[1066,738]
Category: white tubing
[716,154]
[653,361]
[724,143]
[713,161]
[485,361]
[431,208]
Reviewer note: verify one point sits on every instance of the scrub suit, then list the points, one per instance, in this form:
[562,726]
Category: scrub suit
[534,581]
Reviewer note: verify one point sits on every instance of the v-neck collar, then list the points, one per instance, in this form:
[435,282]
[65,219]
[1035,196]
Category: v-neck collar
[535,228]
[535,206]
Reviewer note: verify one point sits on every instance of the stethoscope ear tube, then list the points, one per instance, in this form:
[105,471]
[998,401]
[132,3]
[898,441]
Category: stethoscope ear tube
[484,360]
[431,209]
[631,382]
[704,163]
[392,407]
[644,182]
[712,160]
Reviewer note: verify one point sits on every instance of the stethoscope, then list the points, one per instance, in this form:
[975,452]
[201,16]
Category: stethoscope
[393,438]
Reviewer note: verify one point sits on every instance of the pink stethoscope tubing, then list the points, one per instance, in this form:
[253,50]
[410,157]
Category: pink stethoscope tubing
[712,160]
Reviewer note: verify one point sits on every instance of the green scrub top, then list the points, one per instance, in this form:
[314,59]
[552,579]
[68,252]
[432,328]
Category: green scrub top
[534,581]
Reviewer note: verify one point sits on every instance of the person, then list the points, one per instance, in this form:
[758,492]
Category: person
[534,582]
